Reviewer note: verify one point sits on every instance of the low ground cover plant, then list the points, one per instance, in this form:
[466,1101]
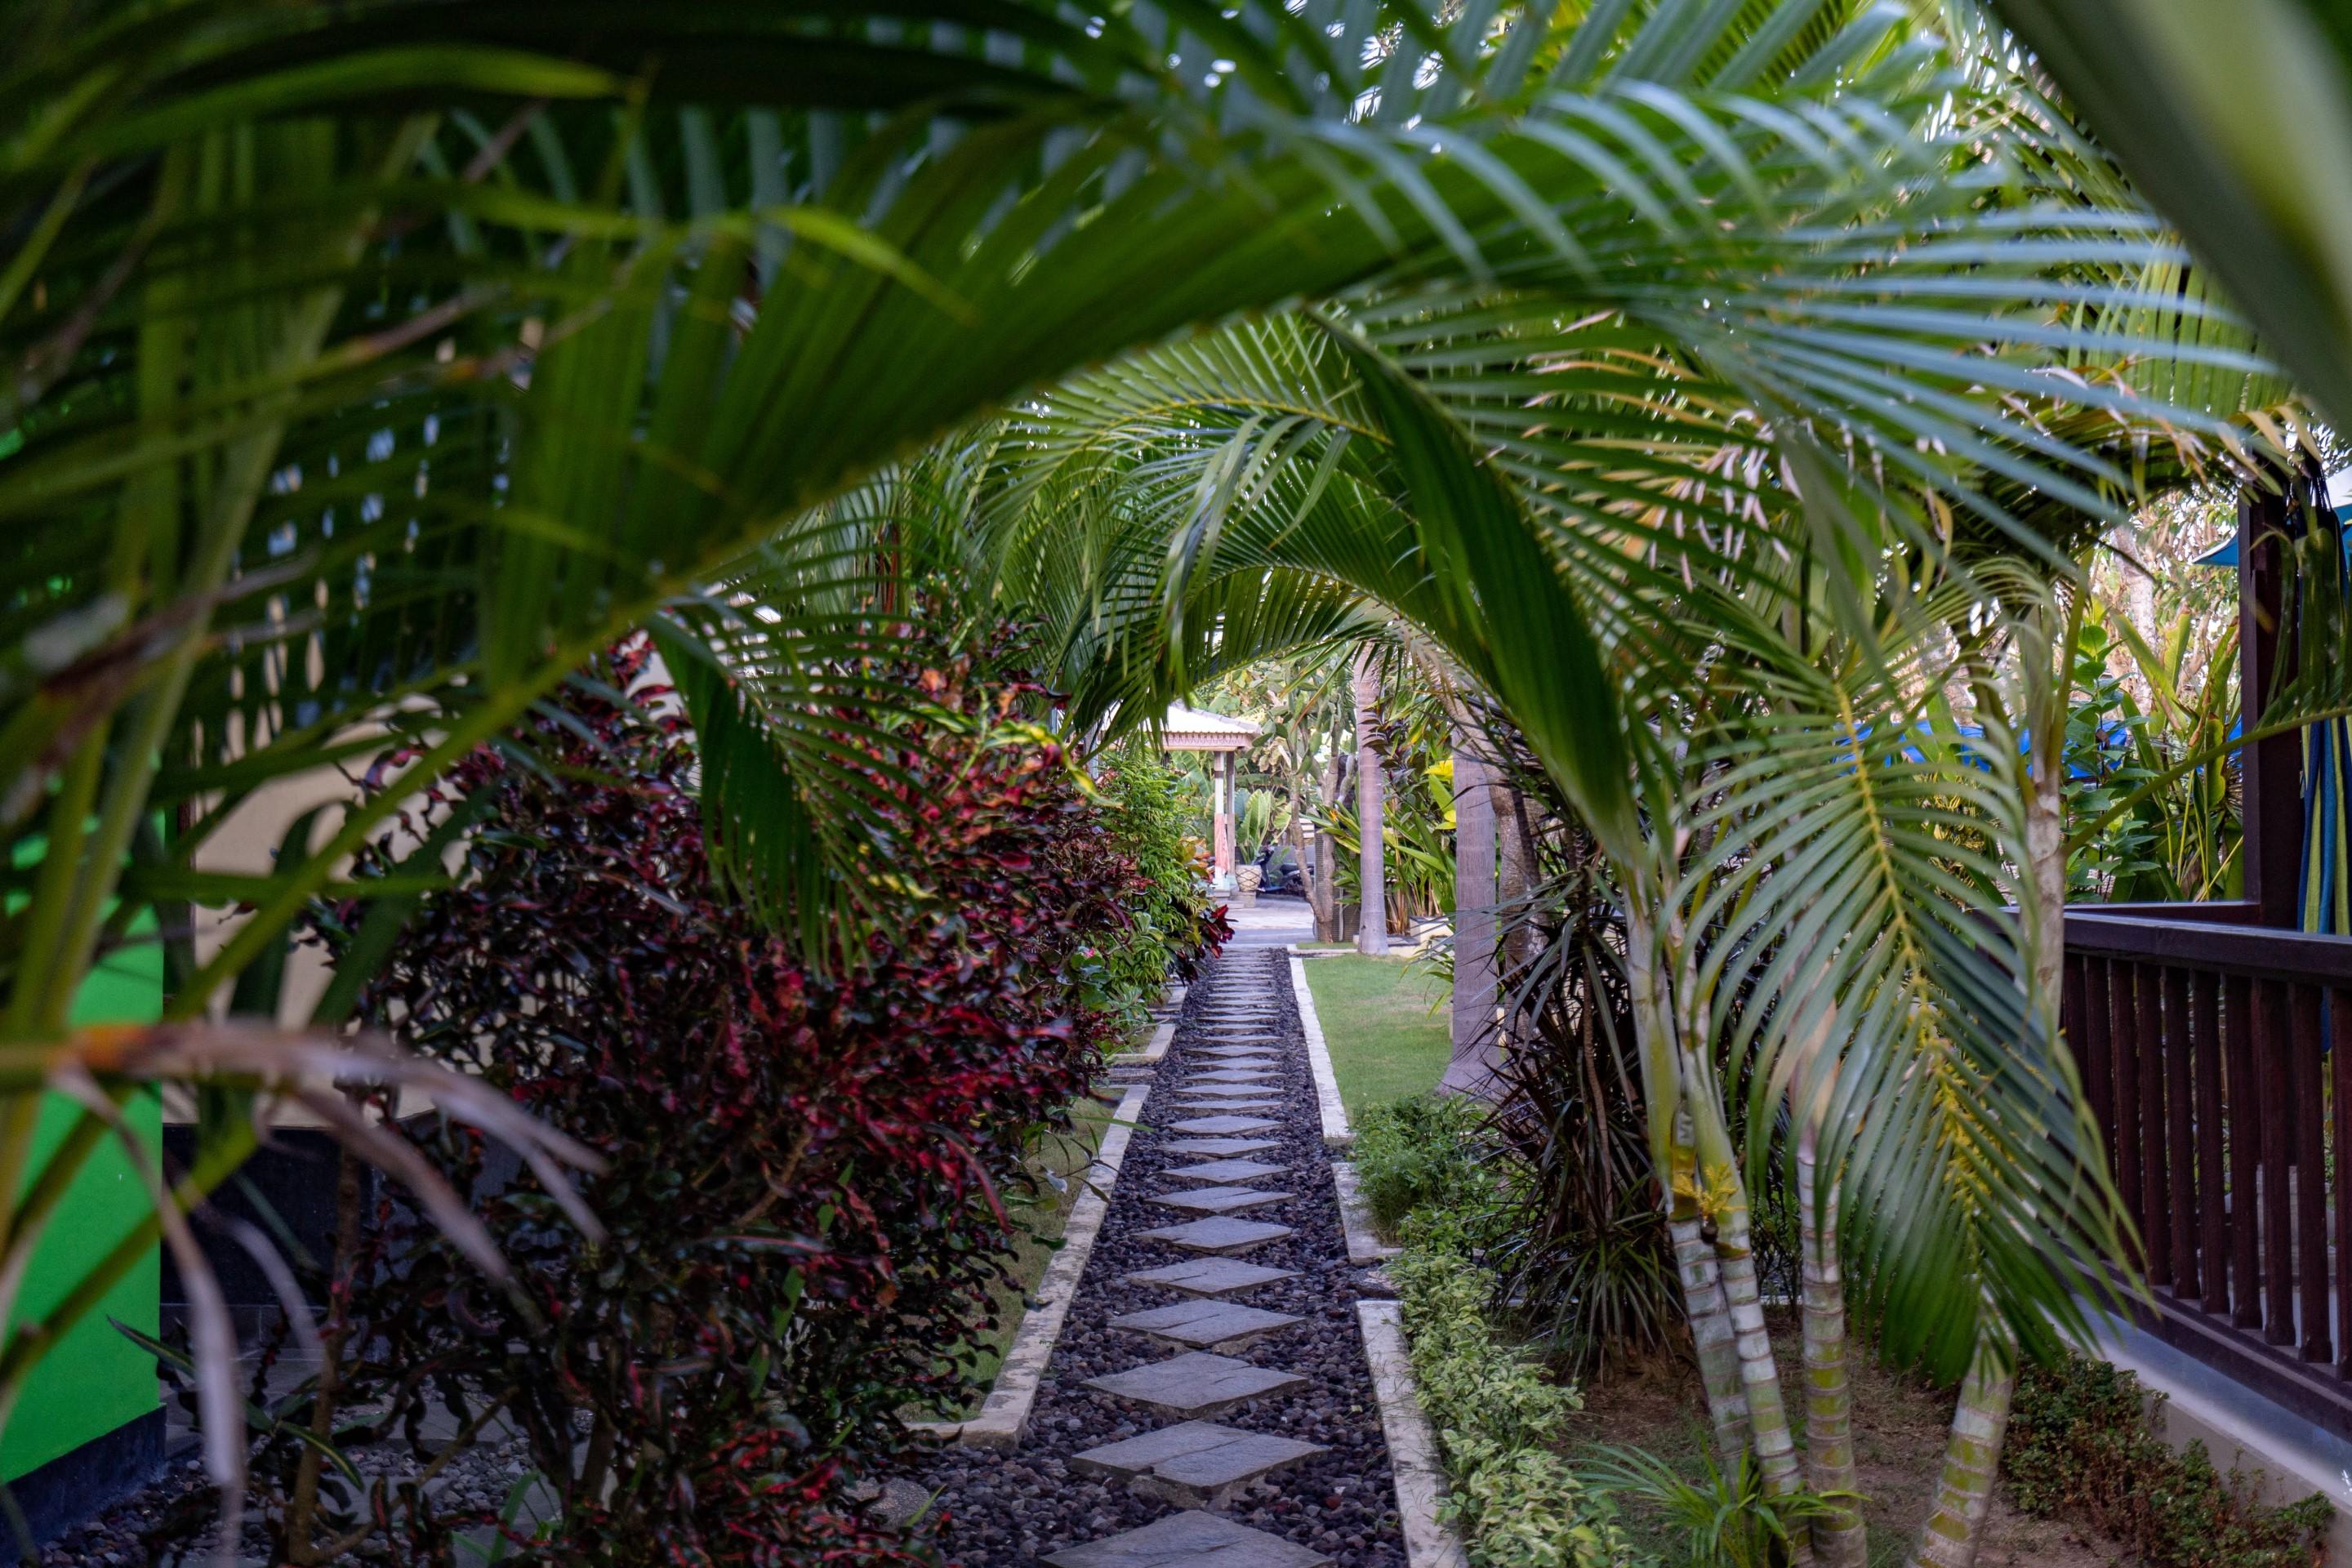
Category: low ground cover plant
[2082,1442]
[807,1170]
[1500,1419]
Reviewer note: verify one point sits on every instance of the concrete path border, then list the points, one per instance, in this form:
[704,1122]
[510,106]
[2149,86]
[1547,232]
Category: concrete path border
[1004,1418]
[1336,1133]
[1413,1449]
[1364,1243]
[1153,1050]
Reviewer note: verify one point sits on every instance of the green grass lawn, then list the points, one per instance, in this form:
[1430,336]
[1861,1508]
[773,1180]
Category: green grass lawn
[1385,1022]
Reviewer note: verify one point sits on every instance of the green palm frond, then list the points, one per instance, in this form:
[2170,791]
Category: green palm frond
[2236,120]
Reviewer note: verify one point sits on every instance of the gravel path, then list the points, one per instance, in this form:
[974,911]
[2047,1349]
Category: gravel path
[1000,1508]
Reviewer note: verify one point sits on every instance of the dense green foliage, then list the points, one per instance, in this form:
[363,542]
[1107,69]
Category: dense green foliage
[1499,1420]
[2081,1444]
[1421,1154]
[1172,922]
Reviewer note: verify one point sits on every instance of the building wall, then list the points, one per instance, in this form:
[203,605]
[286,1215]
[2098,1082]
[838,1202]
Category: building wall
[93,1380]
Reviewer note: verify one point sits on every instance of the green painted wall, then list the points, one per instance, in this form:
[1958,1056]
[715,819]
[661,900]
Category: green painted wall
[94,1380]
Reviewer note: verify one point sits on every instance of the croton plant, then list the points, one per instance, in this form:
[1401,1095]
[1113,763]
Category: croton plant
[807,1167]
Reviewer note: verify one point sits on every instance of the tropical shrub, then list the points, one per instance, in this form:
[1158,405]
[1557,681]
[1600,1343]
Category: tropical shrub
[1172,925]
[2082,1446]
[806,1167]
[1421,1153]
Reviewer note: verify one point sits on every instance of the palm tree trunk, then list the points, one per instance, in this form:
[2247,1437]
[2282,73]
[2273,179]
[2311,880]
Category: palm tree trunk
[1725,1199]
[1323,888]
[1711,1335]
[1371,881]
[1972,1454]
[1674,1148]
[1475,1056]
[1840,1540]
[1759,1373]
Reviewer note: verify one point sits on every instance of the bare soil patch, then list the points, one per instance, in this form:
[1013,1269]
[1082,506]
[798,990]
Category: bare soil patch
[1899,1423]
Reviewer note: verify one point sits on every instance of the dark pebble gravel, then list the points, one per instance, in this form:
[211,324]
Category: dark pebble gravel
[999,1509]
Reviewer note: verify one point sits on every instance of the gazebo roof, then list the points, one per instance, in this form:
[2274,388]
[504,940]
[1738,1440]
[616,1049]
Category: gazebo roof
[1191,730]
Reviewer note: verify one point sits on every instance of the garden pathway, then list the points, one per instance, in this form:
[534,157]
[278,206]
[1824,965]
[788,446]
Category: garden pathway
[1209,1401]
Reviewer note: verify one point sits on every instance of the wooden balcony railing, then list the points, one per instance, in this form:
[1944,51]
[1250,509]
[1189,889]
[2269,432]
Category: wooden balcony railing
[2217,1056]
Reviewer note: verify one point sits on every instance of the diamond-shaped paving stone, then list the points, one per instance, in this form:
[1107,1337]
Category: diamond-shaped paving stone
[1226,1054]
[1198,1464]
[1206,1325]
[1218,1126]
[1196,1383]
[1224,1171]
[1222,1145]
[1211,1275]
[1189,1540]
[1231,1074]
[1225,1090]
[1222,1233]
[1221,1200]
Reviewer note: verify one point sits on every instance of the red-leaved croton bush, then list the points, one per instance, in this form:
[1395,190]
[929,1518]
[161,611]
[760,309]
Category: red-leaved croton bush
[806,1171]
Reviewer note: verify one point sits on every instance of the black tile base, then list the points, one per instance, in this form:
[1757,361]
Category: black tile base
[73,1486]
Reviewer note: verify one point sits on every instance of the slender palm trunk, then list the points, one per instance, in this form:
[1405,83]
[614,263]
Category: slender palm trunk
[1972,1453]
[1759,1373]
[1674,1147]
[1725,1199]
[1839,1538]
[1323,888]
[1476,983]
[1372,880]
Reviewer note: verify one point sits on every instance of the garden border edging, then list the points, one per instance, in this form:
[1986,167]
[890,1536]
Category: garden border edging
[1364,1243]
[1004,1418]
[1412,1448]
[1336,1133]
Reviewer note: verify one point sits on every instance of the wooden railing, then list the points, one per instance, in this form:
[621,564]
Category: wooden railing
[2217,1054]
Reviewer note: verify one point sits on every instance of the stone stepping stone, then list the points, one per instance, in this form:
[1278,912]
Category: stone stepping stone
[1212,1277]
[1222,1233]
[1196,1384]
[1218,1126]
[1206,1325]
[1221,1200]
[1195,1464]
[1225,1090]
[1231,1074]
[1195,1106]
[1222,1146]
[1224,1171]
[1189,1540]
[1234,1053]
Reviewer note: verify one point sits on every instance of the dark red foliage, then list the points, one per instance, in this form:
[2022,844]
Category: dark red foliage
[804,1192]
